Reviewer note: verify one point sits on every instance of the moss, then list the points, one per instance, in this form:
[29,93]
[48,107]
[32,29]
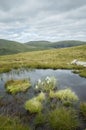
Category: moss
[33,105]
[63,119]
[8,123]
[15,86]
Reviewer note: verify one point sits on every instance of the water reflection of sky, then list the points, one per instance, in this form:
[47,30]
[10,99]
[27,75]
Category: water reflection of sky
[65,78]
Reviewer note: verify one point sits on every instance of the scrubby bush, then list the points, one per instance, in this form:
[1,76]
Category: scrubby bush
[63,119]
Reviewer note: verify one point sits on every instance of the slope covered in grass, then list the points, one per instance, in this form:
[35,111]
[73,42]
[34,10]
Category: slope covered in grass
[55,58]
[12,47]
[59,44]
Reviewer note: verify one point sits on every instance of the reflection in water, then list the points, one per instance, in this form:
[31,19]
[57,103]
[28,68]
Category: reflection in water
[65,78]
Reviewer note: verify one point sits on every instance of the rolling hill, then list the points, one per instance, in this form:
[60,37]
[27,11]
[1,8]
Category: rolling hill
[12,47]
[60,44]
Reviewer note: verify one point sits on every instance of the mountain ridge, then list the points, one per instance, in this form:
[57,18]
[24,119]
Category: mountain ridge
[13,47]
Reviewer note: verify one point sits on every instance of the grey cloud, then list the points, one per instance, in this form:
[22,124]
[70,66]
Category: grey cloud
[53,20]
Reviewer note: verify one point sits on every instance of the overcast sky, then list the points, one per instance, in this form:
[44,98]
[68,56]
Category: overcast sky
[53,20]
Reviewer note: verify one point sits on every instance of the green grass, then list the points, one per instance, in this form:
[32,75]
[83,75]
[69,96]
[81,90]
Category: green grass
[66,96]
[16,86]
[54,59]
[63,119]
[52,94]
[40,119]
[41,97]
[13,47]
[33,106]
[9,123]
[83,109]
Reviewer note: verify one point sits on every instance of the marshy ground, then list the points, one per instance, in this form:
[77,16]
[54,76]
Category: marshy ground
[39,107]
[49,97]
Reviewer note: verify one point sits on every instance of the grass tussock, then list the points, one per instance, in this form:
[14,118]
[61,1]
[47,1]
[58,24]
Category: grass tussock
[40,119]
[15,86]
[63,119]
[66,96]
[8,123]
[41,97]
[33,105]
[83,109]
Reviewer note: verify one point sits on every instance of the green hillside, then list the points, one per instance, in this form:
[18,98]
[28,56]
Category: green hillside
[12,47]
[39,43]
[54,58]
[60,44]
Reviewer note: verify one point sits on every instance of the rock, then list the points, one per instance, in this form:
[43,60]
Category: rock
[78,62]
[74,61]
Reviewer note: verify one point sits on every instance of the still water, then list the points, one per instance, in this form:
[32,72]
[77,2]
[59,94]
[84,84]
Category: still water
[65,78]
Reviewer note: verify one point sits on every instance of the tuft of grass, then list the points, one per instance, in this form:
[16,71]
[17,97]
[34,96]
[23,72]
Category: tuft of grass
[15,86]
[40,119]
[63,119]
[52,94]
[33,105]
[83,109]
[47,84]
[8,123]
[41,97]
[66,95]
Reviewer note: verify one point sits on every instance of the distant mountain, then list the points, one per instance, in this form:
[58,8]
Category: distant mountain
[69,43]
[43,45]
[12,47]
[60,44]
